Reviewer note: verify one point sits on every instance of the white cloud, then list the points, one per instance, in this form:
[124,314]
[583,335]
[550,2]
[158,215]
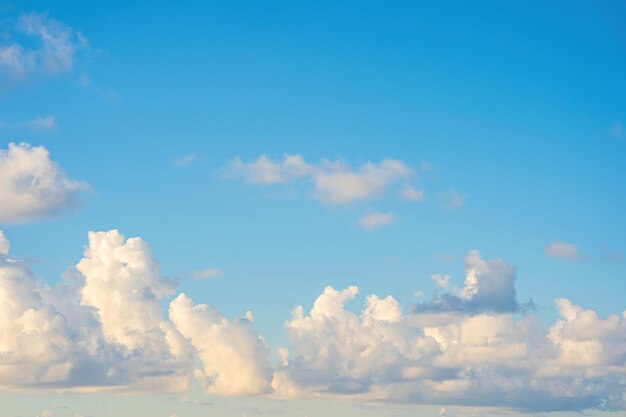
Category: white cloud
[32,185]
[451,200]
[489,286]
[234,358]
[337,183]
[263,171]
[103,328]
[334,182]
[376,220]
[411,194]
[4,244]
[207,273]
[442,280]
[563,250]
[122,284]
[382,354]
[51,49]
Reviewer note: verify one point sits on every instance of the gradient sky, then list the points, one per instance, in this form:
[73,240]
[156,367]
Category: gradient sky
[421,132]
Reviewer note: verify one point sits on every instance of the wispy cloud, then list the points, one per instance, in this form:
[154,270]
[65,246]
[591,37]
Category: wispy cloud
[51,49]
[563,250]
[334,182]
[38,124]
[207,273]
[411,194]
[451,200]
[376,220]
[184,160]
[617,130]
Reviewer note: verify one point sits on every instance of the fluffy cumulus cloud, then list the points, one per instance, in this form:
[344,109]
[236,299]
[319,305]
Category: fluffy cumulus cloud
[334,182]
[482,359]
[37,45]
[103,328]
[32,185]
[489,287]
[234,358]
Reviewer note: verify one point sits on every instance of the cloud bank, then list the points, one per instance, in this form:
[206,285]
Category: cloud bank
[481,359]
[103,328]
[32,185]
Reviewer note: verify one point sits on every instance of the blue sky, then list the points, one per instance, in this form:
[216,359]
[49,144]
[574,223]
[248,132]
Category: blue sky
[509,117]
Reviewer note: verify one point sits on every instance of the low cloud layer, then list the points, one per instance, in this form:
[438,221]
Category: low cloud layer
[482,359]
[32,185]
[103,328]
[334,182]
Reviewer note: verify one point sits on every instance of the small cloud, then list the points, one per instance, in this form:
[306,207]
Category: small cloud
[207,273]
[184,160]
[451,200]
[49,189]
[442,280]
[411,194]
[376,220]
[563,250]
[38,124]
[489,287]
[42,123]
[425,167]
[617,130]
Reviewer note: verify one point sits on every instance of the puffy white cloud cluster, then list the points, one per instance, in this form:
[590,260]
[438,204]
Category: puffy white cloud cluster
[32,185]
[334,182]
[103,327]
[468,357]
[51,49]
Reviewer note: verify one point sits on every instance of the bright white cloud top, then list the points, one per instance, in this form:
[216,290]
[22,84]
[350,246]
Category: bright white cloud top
[32,185]
[103,328]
